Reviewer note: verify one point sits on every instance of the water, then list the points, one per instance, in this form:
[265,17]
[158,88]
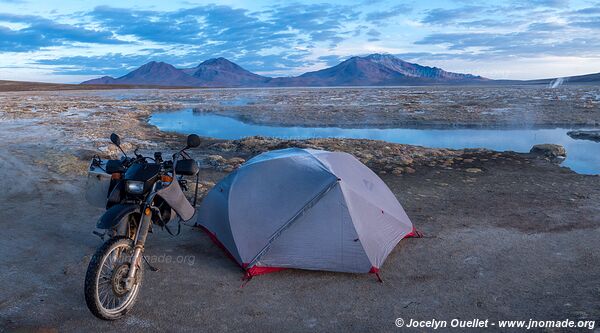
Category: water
[583,156]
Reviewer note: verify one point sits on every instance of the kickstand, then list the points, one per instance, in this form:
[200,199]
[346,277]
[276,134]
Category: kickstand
[152,268]
[99,234]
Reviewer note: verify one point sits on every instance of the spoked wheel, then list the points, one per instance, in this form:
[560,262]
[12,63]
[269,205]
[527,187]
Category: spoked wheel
[105,292]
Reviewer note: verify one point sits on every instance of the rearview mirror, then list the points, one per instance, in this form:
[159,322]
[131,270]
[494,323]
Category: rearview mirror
[115,139]
[193,141]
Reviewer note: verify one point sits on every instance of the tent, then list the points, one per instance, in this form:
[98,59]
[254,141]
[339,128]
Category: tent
[306,209]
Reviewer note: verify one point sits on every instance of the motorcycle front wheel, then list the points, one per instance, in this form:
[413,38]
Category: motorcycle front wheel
[105,292]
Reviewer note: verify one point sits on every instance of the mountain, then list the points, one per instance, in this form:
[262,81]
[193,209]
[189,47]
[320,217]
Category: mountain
[375,69]
[221,72]
[415,70]
[101,80]
[587,79]
[218,72]
[152,73]
[381,69]
[371,70]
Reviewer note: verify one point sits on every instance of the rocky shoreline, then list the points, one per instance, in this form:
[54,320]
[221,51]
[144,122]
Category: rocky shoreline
[381,157]
[592,135]
[87,119]
[411,107]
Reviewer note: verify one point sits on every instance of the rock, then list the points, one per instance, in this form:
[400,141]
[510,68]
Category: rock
[592,135]
[85,154]
[377,155]
[409,170]
[468,160]
[236,161]
[224,146]
[220,163]
[549,150]
[204,187]
[215,160]
[206,184]
[365,156]
[405,160]
[473,170]
[397,171]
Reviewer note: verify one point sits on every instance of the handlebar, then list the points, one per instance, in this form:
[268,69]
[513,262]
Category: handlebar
[126,161]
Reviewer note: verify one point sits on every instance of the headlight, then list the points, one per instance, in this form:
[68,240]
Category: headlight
[135,187]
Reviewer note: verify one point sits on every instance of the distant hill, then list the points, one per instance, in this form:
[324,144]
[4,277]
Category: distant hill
[587,79]
[101,80]
[221,72]
[375,69]
[371,70]
[152,73]
[378,69]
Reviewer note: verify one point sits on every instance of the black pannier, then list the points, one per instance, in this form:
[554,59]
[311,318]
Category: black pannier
[114,166]
[186,167]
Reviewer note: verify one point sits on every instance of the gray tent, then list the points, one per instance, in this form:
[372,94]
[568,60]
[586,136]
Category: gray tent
[307,209]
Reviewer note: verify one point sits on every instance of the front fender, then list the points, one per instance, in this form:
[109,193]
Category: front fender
[115,214]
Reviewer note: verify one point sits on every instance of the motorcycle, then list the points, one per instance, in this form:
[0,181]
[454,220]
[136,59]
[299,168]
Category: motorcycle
[138,192]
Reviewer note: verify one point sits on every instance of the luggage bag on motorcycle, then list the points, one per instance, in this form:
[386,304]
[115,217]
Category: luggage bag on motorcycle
[97,184]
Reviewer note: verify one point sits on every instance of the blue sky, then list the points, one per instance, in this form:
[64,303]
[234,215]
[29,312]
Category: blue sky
[70,41]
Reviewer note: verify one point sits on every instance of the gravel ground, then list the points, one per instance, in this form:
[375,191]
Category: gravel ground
[508,236]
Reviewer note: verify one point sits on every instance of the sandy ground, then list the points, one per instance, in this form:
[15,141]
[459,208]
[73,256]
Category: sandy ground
[517,240]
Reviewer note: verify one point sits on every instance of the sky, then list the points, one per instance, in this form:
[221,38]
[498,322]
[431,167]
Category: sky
[71,40]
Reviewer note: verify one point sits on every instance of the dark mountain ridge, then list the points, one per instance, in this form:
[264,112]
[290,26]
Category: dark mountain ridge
[371,70]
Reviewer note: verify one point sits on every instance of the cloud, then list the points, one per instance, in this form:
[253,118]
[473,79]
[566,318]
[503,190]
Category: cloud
[229,27]
[373,33]
[489,23]
[320,22]
[445,16]
[114,64]
[550,3]
[586,11]
[592,23]
[533,29]
[527,43]
[378,16]
[118,64]
[548,27]
[41,32]
[294,36]
[331,60]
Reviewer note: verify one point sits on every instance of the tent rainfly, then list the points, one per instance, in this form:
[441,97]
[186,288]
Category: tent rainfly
[306,209]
